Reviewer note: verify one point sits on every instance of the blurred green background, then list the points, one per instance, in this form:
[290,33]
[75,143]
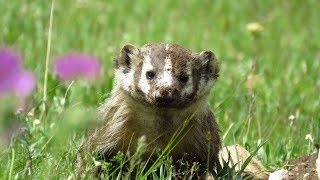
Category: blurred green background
[268,74]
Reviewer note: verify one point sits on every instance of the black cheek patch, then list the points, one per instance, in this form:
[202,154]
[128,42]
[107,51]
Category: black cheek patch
[127,61]
[212,71]
[196,77]
[206,78]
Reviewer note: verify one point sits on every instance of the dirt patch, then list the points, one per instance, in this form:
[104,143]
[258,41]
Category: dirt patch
[303,167]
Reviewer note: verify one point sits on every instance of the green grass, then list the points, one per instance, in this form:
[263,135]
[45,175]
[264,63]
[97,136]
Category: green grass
[284,58]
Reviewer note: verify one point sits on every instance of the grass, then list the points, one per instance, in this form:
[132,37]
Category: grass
[265,77]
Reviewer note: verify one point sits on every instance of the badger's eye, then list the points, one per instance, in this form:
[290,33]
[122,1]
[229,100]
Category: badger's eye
[150,74]
[183,78]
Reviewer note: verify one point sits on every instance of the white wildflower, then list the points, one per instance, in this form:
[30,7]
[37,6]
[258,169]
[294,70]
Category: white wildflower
[36,122]
[97,163]
[292,117]
[309,137]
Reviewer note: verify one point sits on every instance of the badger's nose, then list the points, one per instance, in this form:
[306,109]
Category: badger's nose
[165,96]
[167,92]
[164,92]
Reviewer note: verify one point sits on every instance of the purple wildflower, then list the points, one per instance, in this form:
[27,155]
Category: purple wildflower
[25,82]
[12,77]
[76,65]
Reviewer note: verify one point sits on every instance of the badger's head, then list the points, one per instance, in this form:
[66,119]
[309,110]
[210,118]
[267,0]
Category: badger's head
[165,75]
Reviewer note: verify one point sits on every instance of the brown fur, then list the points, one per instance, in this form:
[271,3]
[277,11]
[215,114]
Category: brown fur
[126,118]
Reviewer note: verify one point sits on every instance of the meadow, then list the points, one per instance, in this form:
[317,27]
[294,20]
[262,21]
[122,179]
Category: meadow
[268,89]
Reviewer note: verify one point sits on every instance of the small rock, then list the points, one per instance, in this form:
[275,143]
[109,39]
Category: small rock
[303,165]
[306,176]
[279,175]
[238,155]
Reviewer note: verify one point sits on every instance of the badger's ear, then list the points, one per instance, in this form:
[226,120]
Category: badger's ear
[207,57]
[209,62]
[128,55]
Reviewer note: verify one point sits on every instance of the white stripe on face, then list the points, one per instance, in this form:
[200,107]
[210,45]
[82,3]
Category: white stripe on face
[168,64]
[167,47]
[144,82]
[166,79]
[125,80]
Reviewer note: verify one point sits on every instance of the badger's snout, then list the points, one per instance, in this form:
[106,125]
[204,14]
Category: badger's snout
[166,92]
[166,96]
[171,91]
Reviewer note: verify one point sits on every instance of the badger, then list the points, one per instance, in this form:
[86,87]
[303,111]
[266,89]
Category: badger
[158,88]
